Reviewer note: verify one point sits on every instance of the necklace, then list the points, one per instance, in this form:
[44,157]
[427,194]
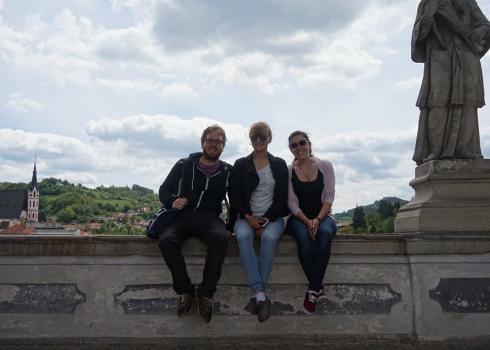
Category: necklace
[306,170]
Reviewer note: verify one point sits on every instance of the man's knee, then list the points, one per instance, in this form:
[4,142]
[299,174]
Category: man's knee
[218,246]
[221,240]
[168,241]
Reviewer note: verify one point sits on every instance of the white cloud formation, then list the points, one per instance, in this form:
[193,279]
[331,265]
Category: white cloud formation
[84,178]
[334,43]
[19,102]
[126,84]
[164,134]
[59,51]
[178,90]
[68,152]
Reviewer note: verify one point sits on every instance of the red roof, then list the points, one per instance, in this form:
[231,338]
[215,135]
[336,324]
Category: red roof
[18,230]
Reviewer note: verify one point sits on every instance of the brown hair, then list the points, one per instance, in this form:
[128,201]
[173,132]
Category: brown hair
[300,133]
[213,128]
[260,127]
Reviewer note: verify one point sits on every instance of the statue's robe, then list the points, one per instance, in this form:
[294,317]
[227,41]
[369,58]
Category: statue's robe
[452,70]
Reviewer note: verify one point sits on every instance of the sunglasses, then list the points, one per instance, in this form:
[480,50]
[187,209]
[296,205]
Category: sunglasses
[301,143]
[258,137]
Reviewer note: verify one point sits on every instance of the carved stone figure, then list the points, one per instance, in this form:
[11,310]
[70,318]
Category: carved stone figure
[449,37]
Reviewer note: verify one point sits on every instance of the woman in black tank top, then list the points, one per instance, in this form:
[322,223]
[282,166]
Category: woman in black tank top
[310,197]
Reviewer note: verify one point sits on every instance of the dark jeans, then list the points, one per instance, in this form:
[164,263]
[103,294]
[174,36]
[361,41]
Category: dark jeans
[209,229]
[313,254]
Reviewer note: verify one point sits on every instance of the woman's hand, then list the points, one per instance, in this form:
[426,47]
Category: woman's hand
[313,227]
[253,222]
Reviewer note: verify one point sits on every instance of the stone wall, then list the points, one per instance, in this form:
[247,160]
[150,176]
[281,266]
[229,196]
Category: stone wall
[384,291]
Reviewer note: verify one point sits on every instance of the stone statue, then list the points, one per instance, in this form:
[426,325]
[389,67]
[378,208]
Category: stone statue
[449,37]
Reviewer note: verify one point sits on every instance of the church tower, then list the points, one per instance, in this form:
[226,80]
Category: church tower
[33,198]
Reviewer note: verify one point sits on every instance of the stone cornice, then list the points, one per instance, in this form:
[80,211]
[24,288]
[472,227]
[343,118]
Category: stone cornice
[388,244]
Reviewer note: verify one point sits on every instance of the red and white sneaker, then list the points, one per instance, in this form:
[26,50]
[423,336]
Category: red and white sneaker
[309,304]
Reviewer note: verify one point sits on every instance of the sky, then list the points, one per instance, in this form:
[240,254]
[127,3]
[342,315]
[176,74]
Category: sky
[113,92]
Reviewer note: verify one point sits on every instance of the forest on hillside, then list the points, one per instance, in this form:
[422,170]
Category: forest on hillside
[67,202]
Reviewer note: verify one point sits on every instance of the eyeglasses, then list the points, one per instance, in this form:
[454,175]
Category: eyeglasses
[214,142]
[259,137]
[301,143]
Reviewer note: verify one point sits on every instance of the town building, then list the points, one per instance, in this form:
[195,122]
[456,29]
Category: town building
[20,206]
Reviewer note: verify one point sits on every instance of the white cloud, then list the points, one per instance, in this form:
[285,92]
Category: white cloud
[18,102]
[178,90]
[59,51]
[84,178]
[136,84]
[331,43]
[20,145]
[163,134]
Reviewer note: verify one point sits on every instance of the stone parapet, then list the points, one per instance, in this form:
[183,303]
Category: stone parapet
[384,291]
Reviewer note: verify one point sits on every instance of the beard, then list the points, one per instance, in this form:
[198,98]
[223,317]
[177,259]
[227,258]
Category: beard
[211,156]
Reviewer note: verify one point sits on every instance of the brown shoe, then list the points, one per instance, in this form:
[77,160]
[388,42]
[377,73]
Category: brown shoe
[251,307]
[184,304]
[205,308]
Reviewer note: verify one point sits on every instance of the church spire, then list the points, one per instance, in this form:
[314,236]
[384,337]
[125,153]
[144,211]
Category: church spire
[34,175]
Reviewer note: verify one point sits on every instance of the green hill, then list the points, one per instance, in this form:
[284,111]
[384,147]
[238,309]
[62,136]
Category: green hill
[346,216]
[69,202]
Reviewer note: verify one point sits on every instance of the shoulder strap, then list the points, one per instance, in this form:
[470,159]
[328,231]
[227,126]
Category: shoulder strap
[227,182]
[185,161]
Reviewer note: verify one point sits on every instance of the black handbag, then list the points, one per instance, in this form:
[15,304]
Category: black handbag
[159,221]
[163,217]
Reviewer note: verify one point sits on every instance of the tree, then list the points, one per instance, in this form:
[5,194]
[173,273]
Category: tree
[373,223]
[385,209]
[66,215]
[359,219]
[389,225]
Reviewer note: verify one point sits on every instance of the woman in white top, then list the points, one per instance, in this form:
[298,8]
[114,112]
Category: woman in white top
[258,196]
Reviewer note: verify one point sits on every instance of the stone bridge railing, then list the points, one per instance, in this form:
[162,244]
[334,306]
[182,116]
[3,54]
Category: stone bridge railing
[384,291]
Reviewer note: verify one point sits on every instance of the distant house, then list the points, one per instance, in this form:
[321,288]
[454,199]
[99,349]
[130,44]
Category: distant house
[20,206]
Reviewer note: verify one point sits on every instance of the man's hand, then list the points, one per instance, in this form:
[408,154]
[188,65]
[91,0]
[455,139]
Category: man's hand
[180,203]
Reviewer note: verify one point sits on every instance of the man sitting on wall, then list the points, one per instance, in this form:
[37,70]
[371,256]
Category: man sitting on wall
[198,190]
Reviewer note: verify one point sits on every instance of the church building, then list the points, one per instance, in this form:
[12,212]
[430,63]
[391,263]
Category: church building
[20,206]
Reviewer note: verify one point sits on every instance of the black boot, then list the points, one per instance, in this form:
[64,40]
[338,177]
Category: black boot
[205,308]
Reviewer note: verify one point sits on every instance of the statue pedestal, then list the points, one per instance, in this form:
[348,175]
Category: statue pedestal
[450,196]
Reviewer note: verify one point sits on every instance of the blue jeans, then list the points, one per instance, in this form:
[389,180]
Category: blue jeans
[258,269]
[313,254]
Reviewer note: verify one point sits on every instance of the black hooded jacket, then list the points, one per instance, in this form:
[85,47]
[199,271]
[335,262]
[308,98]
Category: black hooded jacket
[203,192]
